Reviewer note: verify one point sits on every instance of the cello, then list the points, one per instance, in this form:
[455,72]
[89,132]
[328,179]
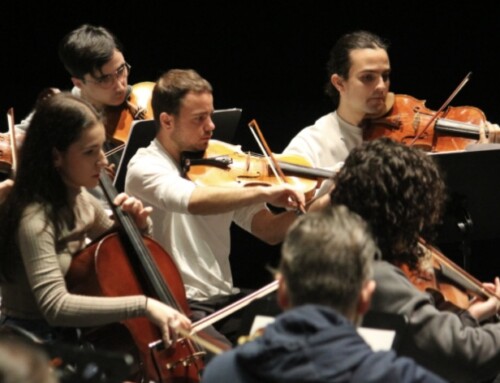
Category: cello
[122,264]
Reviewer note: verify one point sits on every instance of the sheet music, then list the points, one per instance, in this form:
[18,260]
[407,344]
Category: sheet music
[377,339]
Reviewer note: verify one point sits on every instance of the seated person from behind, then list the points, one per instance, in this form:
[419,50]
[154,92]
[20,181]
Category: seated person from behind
[399,191]
[325,287]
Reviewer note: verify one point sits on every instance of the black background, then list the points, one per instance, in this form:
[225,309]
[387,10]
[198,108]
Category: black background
[268,58]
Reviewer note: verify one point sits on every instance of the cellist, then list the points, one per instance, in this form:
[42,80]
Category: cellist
[47,218]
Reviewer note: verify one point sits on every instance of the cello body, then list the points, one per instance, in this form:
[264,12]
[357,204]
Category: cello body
[126,263]
[104,269]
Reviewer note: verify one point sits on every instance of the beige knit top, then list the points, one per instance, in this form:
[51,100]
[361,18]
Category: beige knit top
[40,291]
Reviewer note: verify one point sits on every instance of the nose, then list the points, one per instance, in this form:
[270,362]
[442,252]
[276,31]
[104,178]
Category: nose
[210,124]
[120,83]
[102,161]
[383,82]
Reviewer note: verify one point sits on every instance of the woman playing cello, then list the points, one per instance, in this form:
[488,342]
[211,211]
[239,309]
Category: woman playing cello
[47,219]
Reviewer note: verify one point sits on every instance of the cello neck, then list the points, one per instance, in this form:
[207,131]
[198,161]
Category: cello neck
[133,236]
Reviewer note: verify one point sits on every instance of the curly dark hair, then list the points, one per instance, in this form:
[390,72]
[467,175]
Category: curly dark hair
[398,190]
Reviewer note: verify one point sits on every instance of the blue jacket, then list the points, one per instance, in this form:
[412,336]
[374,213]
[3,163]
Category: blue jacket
[312,344]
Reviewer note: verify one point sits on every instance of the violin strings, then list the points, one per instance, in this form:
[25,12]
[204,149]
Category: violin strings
[271,165]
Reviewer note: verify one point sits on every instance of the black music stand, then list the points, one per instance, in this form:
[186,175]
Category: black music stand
[472,180]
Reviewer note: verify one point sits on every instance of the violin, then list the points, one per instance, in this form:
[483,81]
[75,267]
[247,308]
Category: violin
[136,107]
[9,143]
[452,287]
[224,164]
[409,121]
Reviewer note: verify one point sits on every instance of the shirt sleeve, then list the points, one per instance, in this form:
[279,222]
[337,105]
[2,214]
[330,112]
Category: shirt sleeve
[41,258]
[158,183]
[438,340]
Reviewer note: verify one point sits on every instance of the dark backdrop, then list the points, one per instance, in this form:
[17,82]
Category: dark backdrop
[268,58]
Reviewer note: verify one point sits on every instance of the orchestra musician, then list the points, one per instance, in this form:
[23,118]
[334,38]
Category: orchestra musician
[358,83]
[193,222]
[94,59]
[324,287]
[47,219]
[398,190]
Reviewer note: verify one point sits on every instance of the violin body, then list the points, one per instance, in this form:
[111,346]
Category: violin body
[6,154]
[452,287]
[227,165]
[428,278]
[410,122]
[136,107]
[104,269]
[10,143]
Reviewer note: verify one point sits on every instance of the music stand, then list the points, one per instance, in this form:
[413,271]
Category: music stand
[141,134]
[472,180]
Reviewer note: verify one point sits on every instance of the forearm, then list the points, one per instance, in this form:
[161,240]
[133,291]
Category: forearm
[218,200]
[271,228]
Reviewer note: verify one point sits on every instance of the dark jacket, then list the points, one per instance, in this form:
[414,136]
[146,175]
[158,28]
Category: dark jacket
[312,344]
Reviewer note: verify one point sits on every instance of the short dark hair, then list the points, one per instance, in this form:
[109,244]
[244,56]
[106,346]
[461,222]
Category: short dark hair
[326,258]
[86,49]
[340,58]
[171,88]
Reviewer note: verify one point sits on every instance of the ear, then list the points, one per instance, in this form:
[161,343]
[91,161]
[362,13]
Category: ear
[166,120]
[282,295]
[365,296]
[57,158]
[77,82]
[337,82]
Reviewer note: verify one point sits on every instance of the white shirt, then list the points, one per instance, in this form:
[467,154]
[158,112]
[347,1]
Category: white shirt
[199,244]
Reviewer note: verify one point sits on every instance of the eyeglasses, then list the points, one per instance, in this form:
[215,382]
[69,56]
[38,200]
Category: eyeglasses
[106,81]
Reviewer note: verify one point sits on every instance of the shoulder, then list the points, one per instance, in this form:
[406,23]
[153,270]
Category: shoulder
[224,368]
[322,123]
[385,366]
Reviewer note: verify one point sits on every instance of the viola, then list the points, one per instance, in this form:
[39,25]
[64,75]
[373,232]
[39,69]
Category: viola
[224,164]
[410,122]
[452,287]
[123,264]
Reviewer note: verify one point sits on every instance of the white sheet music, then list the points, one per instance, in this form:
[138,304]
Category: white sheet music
[377,339]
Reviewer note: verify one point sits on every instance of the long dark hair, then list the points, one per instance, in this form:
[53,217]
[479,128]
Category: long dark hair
[398,190]
[57,122]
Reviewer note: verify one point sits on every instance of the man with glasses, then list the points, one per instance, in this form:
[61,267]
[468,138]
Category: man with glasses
[93,56]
